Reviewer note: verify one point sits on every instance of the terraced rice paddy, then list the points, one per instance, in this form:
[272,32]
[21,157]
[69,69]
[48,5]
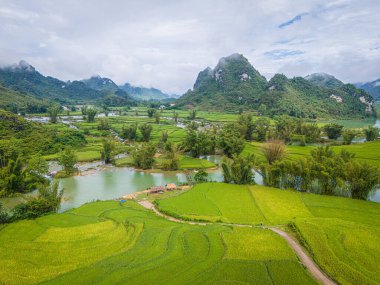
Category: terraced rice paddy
[342,234]
[112,243]
[109,243]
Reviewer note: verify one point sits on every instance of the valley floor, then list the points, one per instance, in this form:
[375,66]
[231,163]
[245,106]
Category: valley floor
[112,243]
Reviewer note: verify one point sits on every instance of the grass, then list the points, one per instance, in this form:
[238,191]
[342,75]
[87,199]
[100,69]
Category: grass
[215,202]
[343,234]
[110,243]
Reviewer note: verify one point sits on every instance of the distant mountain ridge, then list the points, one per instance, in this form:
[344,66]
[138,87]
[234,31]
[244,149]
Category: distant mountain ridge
[372,88]
[324,80]
[234,84]
[24,78]
[144,93]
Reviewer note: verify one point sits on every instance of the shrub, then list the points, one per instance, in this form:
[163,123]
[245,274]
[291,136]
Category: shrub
[274,150]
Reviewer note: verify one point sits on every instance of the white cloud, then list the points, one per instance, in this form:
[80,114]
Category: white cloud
[166,43]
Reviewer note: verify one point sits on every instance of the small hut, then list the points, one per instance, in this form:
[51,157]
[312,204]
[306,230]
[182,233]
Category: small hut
[156,189]
[171,186]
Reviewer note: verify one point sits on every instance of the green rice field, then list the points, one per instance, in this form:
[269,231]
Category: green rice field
[109,243]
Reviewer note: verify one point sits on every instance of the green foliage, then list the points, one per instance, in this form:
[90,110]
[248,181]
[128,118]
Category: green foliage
[175,117]
[129,132]
[104,124]
[4,215]
[107,151]
[67,159]
[231,140]
[151,112]
[235,85]
[371,133]
[239,170]
[146,130]
[348,135]
[16,102]
[48,201]
[198,142]
[170,158]
[53,112]
[361,178]
[157,117]
[143,156]
[274,150]
[245,120]
[261,127]
[91,113]
[164,136]
[325,172]
[333,131]
[192,114]
[201,176]
[18,175]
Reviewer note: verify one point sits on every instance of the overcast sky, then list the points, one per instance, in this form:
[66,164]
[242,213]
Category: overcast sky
[165,44]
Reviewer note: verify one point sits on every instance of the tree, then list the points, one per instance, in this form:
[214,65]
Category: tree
[285,127]
[239,170]
[157,117]
[175,117]
[261,127]
[245,120]
[13,177]
[164,136]
[197,142]
[151,112]
[362,178]
[91,113]
[104,124]
[231,140]
[348,136]
[106,110]
[106,153]
[371,133]
[143,156]
[47,201]
[201,176]
[170,158]
[146,130]
[129,132]
[53,113]
[192,114]
[67,159]
[333,131]
[274,150]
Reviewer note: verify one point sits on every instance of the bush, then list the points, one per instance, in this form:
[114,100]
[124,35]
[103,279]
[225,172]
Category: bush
[4,216]
[348,136]
[143,157]
[371,133]
[274,150]
[333,131]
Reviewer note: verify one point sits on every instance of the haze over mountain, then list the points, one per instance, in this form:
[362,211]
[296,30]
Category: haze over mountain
[235,84]
[372,88]
[324,80]
[24,78]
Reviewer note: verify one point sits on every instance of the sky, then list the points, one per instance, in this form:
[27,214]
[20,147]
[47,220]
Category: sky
[166,43]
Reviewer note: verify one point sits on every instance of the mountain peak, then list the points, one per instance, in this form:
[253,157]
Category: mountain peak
[324,80]
[100,83]
[23,65]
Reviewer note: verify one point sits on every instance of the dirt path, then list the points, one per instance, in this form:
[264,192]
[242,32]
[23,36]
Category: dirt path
[313,268]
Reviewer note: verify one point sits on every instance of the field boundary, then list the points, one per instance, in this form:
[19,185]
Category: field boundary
[305,259]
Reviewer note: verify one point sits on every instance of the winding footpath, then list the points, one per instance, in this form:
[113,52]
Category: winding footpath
[311,266]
